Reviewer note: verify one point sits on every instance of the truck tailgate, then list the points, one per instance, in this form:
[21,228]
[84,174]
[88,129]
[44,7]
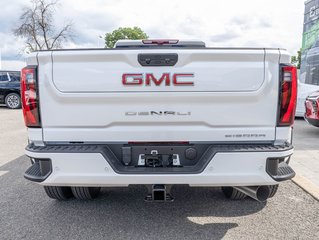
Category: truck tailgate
[232,98]
[214,71]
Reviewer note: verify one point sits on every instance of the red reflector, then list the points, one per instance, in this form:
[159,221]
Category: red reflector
[160,41]
[29,97]
[288,95]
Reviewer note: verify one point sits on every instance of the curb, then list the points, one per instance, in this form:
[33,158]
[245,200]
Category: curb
[307,186]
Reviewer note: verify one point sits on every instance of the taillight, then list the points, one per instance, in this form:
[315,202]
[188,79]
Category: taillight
[30,97]
[288,95]
[309,108]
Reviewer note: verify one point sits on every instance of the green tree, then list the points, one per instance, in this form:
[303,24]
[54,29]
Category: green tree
[124,33]
[296,60]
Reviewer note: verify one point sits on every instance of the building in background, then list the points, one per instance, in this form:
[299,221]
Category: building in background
[309,69]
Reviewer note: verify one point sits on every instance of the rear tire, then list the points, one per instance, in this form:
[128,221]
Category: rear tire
[85,193]
[59,193]
[13,101]
[233,193]
[273,190]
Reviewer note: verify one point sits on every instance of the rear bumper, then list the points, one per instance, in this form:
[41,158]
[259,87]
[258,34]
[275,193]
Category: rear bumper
[227,165]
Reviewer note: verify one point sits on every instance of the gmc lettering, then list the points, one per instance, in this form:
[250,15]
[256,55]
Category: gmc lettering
[148,79]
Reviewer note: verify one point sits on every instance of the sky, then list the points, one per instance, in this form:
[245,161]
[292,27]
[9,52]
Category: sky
[223,23]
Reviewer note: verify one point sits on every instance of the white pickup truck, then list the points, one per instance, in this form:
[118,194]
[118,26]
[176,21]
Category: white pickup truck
[159,113]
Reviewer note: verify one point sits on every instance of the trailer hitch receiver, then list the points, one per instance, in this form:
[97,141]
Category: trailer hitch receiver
[159,193]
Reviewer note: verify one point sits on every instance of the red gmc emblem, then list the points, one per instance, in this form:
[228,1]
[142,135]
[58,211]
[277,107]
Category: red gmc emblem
[148,79]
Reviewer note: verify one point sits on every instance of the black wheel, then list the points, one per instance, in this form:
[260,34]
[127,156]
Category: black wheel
[59,193]
[13,101]
[85,193]
[233,193]
[273,190]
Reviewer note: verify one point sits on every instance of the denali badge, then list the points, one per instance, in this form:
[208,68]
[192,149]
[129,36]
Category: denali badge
[148,79]
[158,113]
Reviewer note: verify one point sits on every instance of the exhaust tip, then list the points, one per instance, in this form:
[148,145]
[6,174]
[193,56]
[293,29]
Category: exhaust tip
[259,193]
[262,193]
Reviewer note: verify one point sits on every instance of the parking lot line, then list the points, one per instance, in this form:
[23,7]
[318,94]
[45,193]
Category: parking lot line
[3,172]
[307,185]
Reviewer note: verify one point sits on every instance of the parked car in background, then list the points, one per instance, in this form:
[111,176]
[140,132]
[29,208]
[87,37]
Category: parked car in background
[312,109]
[304,90]
[10,89]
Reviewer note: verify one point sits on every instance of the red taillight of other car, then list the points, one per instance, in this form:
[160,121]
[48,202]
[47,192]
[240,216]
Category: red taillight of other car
[288,95]
[312,106]
[30,97]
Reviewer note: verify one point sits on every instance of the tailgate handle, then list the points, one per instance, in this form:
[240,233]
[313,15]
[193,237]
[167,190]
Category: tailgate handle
[166,59]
